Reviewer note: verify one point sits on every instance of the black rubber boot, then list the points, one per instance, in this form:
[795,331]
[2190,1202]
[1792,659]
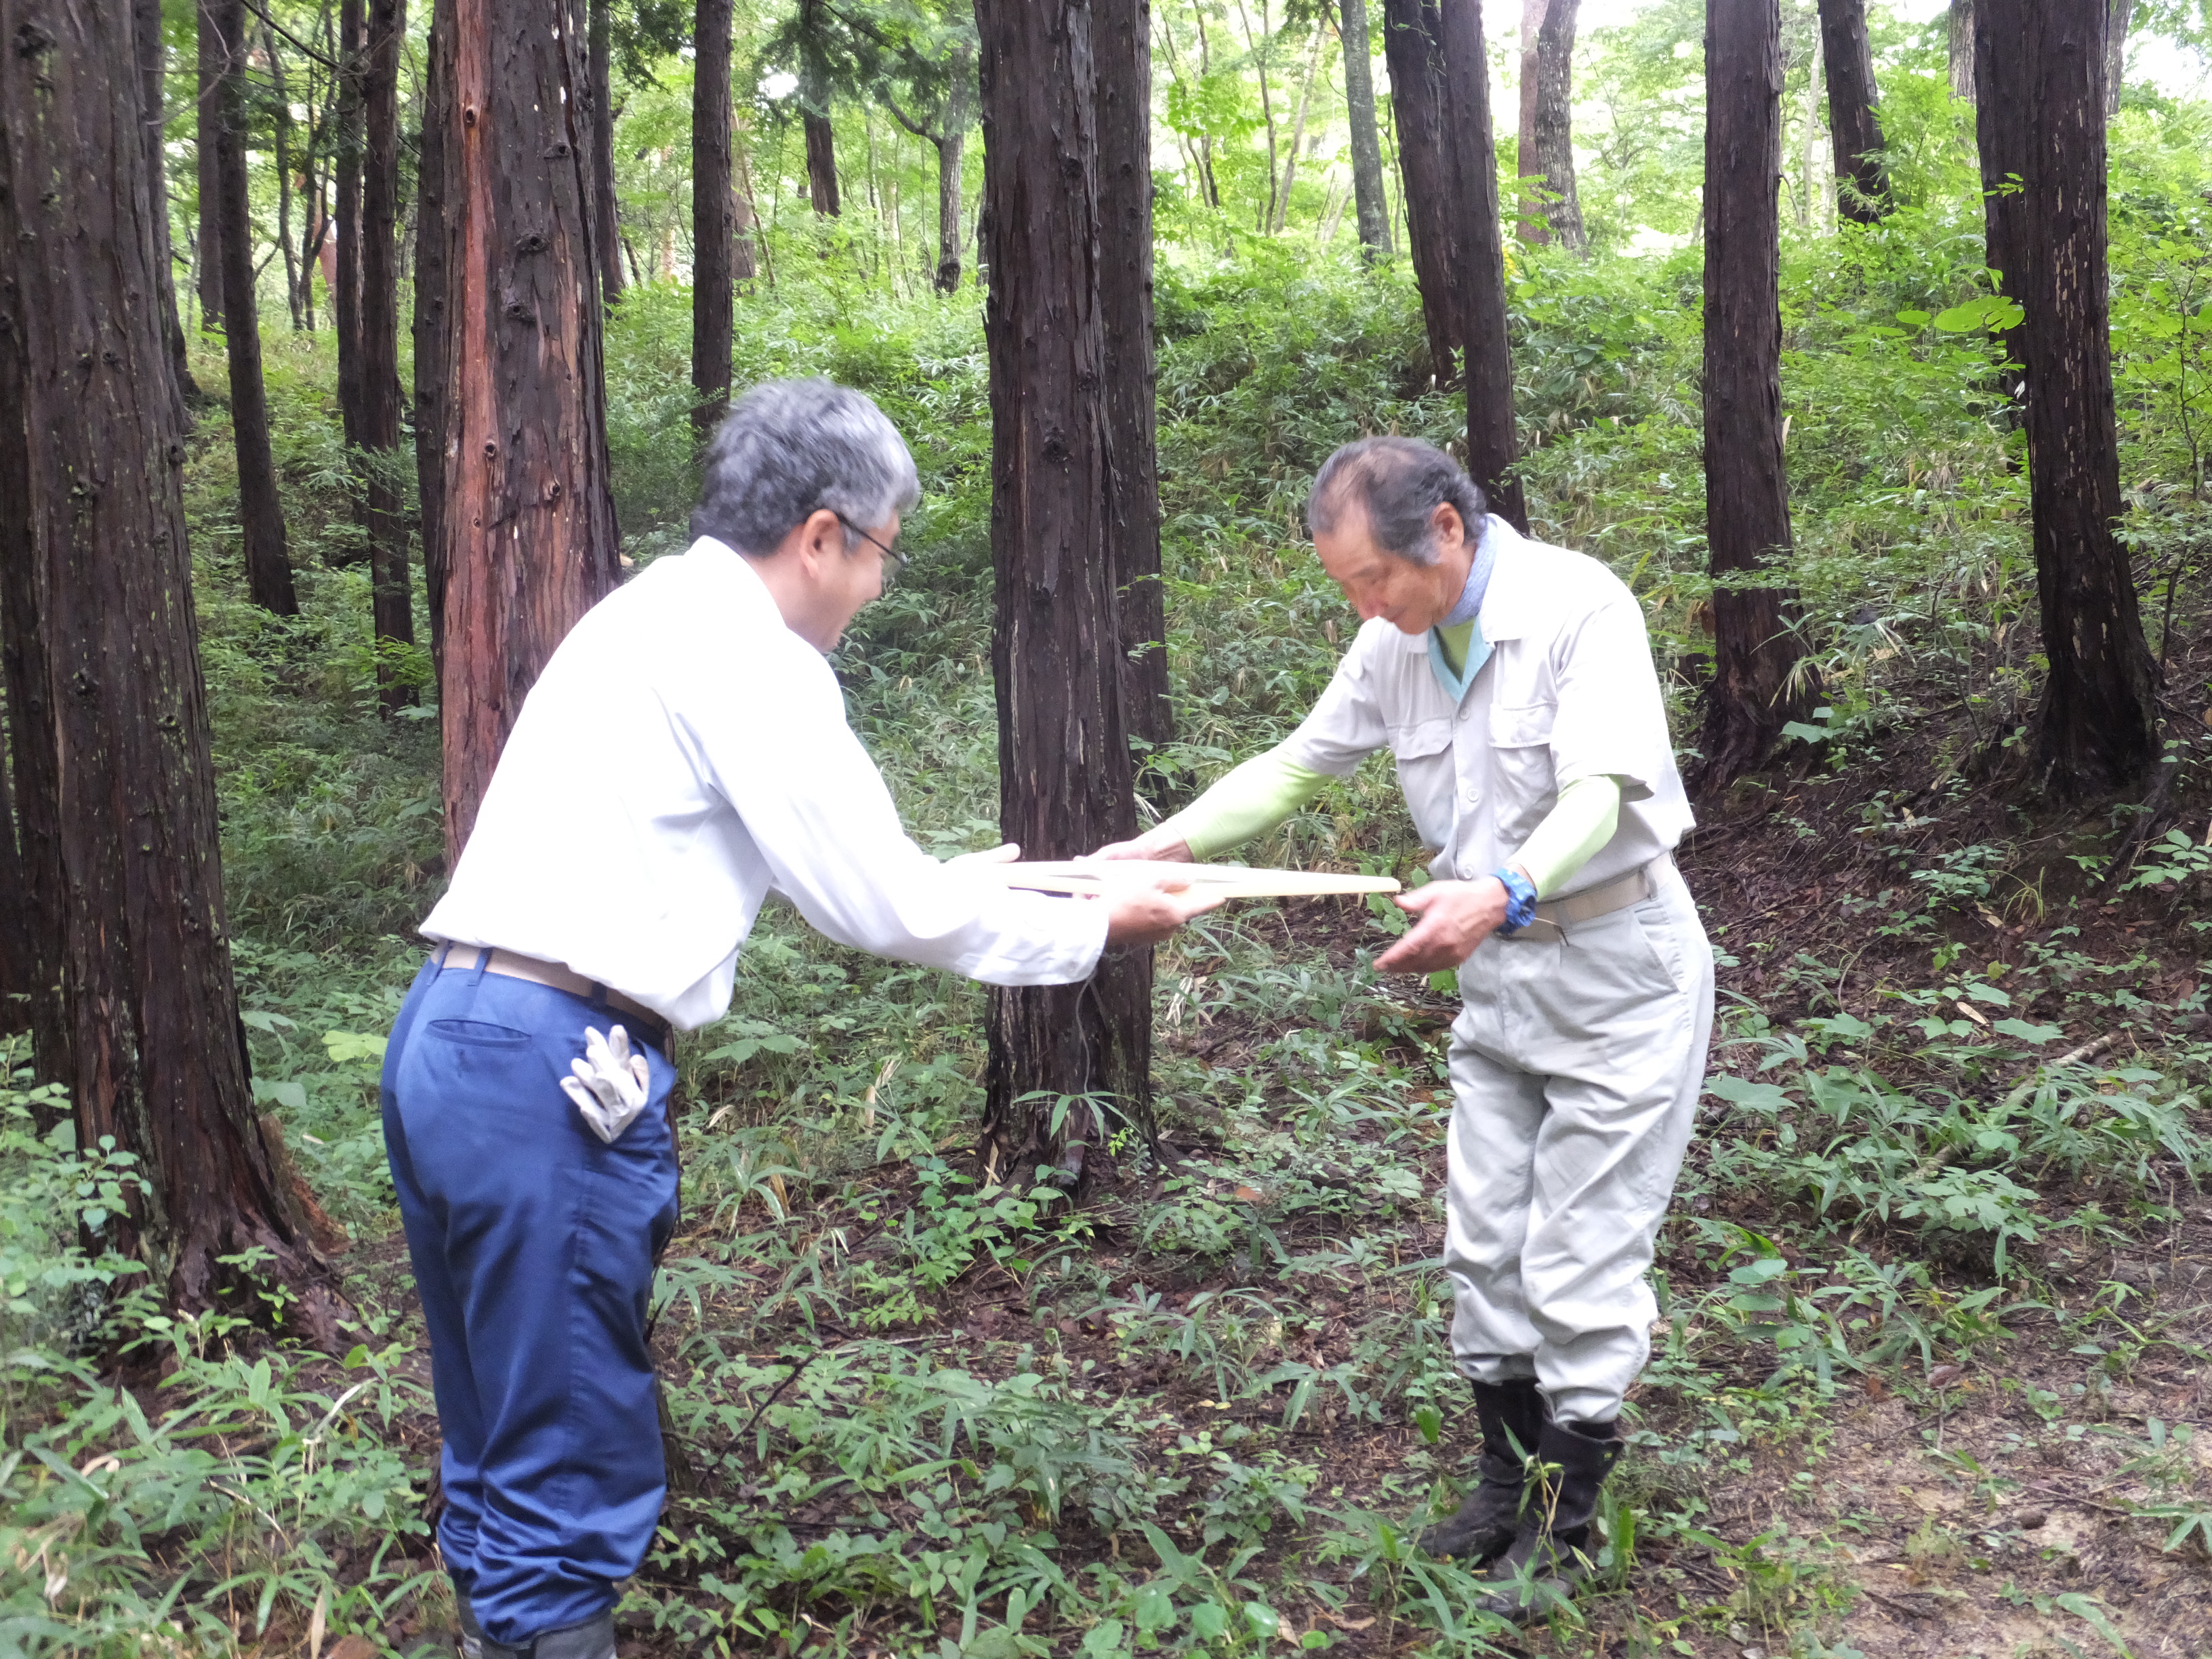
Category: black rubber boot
[472,1636]
[1550,1555]
[1513,1421]
[593,1639]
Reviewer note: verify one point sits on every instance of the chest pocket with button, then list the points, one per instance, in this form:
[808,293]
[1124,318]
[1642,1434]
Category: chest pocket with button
[1423,749]
[1523,785]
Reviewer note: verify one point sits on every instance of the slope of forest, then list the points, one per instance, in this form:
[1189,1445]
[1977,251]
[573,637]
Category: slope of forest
[1931,1372]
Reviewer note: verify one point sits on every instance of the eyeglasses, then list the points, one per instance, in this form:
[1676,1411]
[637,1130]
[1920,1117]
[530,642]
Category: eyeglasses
[893,563]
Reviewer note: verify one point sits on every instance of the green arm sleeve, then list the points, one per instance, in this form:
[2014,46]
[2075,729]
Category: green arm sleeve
[1246,801]
[1580,823]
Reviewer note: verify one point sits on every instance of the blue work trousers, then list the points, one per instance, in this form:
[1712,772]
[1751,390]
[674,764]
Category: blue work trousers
[533,1245]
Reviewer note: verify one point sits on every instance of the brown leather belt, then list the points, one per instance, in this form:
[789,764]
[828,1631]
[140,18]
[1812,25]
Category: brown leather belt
[1553,916]
[647,1025]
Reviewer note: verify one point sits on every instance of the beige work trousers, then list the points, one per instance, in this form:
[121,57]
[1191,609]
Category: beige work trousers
[1576,1063]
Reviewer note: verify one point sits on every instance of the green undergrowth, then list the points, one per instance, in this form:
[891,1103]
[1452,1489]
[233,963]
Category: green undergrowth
[914,1411]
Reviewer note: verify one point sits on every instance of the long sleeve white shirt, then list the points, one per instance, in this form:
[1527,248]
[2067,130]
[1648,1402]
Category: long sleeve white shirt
[684,754]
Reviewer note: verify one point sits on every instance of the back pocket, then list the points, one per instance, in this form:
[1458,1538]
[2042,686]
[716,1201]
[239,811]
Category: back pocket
[479,1034]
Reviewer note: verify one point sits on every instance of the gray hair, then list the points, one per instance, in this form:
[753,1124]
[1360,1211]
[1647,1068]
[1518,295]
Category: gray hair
[788,449]
[1399,484]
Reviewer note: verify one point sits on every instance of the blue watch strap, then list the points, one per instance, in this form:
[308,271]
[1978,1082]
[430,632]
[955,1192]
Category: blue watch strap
[1520,900]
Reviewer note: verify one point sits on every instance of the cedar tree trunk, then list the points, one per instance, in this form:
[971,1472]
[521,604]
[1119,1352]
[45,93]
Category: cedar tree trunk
[714,225]
[1417,106]
[2041,115]
[1440,96]
[207,121]
[1477,263]
[528,524]
[345,302]
[605,232]
[260,515]
[814,109]
[959,111]
[1064,766]
[1371,206]
[2118,15]
[107,704]
[430,320]
[153,63]
[1962,49]
[1548,143]
[1854,127]
[1121,46]
[385,503]
[1756,688]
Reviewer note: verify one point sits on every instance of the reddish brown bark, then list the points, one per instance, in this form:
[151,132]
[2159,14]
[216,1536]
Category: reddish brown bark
[260,513]
[2040,117]
[606,235]
[152,60]
[1120,35]
[345,300]
[814,110]
[432,320]
[1755,652]
[714,216]
[207,119]
[1063,748]
[1862,176]
[528,525]
[106,705]
[384,505]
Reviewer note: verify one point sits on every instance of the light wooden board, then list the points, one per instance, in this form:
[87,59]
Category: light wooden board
[1227,880]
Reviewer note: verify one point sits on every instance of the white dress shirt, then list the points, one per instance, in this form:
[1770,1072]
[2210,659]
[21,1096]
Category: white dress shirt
[683,754]
[1569,693]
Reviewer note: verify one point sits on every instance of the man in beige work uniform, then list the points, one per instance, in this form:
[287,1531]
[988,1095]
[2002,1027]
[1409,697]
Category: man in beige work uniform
[1513,683]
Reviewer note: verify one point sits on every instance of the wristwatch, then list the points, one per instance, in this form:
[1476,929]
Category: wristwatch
[1520,900]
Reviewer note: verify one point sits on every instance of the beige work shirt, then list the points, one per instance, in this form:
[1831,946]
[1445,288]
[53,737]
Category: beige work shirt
[1569,692]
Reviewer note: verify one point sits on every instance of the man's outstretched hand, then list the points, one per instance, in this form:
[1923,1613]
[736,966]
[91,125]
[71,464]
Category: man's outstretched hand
[1136,914]
[1451,918]
[1163,844]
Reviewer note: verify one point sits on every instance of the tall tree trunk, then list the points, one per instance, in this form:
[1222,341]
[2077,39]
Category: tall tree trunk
[206,122]
[1808,203]
[1299,132]
[345,303]
[1371,205]
[712,224]
[1120,35]
[1547,145]
[280,103]
[152,60]
[1063,750]
[260,514]
[1418,109]
[951,140]
[1962,49]
[1862,180]
[2118,14]
[1256,45]
[743,221]
[607,235]
[528,523]
[1755,652]
[2041,67]
[1476,265]
[393,598]
[107,703]
[431,318]
[814,111]
[949,150]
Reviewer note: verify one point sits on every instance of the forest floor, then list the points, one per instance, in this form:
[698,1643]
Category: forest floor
[2021,1474]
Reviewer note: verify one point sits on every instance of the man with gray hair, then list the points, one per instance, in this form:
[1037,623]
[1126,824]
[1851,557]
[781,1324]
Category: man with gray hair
[1513,683]
[685,753]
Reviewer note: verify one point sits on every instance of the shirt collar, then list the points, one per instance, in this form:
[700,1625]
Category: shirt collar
[1503,595]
